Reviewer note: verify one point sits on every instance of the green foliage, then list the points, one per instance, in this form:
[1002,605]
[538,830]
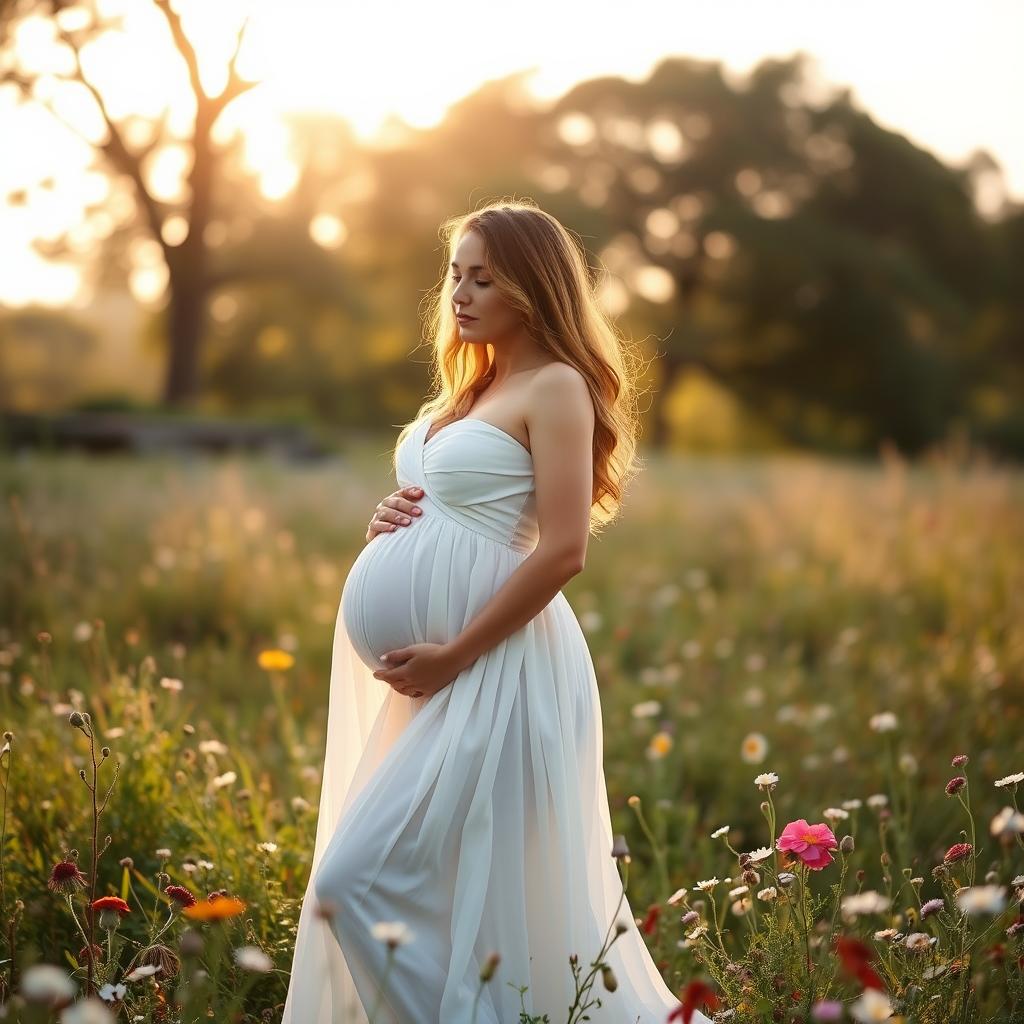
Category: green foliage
[744,617]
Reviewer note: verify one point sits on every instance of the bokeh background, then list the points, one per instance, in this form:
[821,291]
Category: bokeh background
[811,217]
[218,225]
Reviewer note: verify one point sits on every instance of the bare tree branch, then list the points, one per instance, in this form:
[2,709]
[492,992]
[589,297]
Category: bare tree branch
[185,47]
[116,150]
[235,86]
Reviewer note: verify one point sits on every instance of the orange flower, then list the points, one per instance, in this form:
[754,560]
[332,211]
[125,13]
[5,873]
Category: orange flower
[275,659]
[111,903]
[214,909]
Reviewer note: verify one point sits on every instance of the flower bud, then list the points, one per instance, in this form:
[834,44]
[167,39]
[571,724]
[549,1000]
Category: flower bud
[76,720]
[619,848]
[611,983]
[110,919]
[490,966]
[846,844]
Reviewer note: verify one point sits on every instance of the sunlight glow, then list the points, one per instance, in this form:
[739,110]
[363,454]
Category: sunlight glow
[384,69]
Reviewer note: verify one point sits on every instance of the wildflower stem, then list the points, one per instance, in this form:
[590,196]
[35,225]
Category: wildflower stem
[803,918]
[383,984]
[656,849]
[9,754]
[94,857]
[965,799]
[81,930]
[718,931]
[595,964]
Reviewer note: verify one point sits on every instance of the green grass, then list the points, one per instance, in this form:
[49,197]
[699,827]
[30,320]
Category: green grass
[793,598]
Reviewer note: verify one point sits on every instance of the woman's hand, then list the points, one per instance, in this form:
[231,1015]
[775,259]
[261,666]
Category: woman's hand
[394,511]
[419,670]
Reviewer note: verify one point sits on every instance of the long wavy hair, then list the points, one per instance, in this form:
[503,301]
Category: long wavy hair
[539,268]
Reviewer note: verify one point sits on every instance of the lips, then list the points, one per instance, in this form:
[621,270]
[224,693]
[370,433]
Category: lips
[464,319]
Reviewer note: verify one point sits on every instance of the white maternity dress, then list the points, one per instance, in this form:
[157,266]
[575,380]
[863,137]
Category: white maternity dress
[477,816]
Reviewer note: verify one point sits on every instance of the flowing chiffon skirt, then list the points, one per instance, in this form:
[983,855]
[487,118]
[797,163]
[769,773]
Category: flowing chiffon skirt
[478,817]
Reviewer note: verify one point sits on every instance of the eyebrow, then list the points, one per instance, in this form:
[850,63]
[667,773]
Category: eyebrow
[476,266]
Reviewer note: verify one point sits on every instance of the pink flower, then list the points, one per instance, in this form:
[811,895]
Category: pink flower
[810,843]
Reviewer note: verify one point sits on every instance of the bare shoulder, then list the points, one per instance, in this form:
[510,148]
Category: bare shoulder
[559,390]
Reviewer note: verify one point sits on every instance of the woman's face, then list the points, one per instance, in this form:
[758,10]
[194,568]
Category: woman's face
[475,295]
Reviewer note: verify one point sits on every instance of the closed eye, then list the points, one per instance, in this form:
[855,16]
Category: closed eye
[483,284]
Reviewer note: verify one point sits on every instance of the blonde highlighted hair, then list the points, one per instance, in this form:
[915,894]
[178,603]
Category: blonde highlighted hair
[540,269]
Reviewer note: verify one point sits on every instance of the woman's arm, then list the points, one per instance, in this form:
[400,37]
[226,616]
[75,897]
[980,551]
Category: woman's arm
[560,422]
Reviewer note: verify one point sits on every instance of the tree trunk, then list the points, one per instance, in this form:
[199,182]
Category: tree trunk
[185,325]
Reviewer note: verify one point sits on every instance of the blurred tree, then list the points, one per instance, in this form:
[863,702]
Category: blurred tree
[802,255]
[268,247]
[36,347]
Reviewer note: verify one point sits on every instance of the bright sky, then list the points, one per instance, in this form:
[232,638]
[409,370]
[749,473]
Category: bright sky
[946,73]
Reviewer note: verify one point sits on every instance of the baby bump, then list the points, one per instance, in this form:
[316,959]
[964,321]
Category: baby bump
[381,603]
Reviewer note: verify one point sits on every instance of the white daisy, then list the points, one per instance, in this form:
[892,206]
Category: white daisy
[766,779]
[884,721]
[112,993]
[872,1006]
[1007,822]
[1010,780]
[982,899]
[707,885]
[252,958]
[760,853]
[394,933]
[719,831]
[142,971]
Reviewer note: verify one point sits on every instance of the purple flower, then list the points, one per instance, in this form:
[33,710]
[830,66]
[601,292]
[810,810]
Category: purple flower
[827,1009]
[931,907]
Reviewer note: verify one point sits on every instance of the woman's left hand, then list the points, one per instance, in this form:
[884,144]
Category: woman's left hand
[419,670]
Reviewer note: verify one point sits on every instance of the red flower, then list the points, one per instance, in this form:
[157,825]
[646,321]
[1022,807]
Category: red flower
[180,895]
[650,925]
[111,903]
[65,878]
[697,993]
[84,955]
[856,957]
[958,851]
[955,784]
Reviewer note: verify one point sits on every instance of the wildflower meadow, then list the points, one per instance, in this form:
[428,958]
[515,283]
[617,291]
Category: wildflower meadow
[811,673]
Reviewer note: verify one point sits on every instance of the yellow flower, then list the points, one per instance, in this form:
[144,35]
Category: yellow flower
[275,659]
[754,748]
[213,910]
[661,744]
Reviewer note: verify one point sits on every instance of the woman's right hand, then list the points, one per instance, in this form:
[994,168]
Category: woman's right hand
[395,510]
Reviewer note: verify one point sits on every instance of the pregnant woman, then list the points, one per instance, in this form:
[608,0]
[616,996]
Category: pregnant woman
[463,791]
